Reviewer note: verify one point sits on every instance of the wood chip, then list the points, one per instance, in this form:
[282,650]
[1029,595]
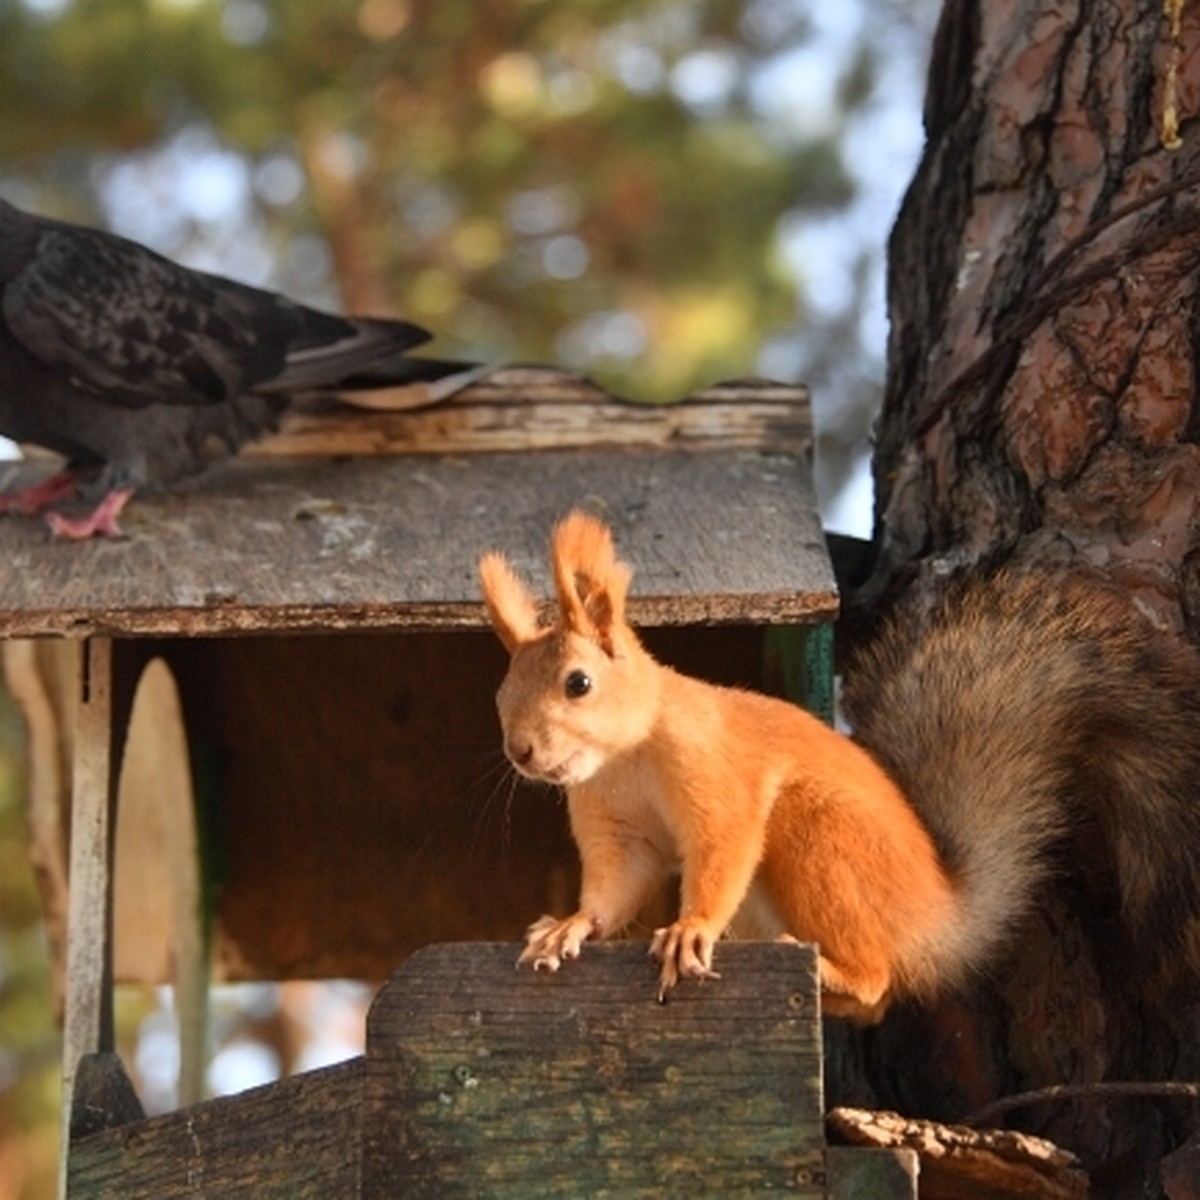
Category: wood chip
[985,1164]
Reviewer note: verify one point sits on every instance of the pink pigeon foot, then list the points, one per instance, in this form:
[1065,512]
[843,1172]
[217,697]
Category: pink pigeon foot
[32,499]
[102,520]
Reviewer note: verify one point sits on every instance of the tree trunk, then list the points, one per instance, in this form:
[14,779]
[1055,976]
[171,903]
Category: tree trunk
[1039,408]
[1045,323]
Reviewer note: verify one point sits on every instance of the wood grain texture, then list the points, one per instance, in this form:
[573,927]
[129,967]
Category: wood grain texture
[294,1140]
[392,543]
[353,519]
[530,408]
[955,1161]
[484,1080]
[87,1024]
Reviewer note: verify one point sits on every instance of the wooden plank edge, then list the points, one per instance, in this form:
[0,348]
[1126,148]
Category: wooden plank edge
[299,1137]
[230,617]
[537,408]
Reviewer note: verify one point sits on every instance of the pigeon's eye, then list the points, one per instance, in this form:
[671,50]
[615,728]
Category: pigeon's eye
[576,684]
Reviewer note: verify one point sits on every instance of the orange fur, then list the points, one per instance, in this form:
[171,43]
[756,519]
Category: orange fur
[664,772]
[758,804]
[510,608]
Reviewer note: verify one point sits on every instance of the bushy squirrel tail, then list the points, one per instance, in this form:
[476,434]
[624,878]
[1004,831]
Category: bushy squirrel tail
[1024,710]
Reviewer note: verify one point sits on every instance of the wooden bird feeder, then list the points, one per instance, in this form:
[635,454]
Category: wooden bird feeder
[286,674]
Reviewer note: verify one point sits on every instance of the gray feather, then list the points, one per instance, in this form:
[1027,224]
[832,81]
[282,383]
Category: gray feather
[120,359]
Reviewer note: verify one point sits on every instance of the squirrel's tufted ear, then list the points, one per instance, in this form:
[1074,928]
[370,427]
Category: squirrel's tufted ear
[590,582]
[510,607]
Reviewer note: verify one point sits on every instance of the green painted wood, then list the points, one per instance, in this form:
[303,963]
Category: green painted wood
[799,659]
[817,657]
[483,1080]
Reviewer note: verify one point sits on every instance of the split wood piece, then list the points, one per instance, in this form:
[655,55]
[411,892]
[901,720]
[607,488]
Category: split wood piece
[542,408]
[955,1161]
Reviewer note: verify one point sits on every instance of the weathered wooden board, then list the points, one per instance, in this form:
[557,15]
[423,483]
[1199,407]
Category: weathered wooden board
[294,1140]
[487,1081]
[483,1081]
[380,521]
[87,1024]
[531,408]
[392,543]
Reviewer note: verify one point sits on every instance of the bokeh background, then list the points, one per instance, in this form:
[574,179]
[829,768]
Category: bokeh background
[657,193]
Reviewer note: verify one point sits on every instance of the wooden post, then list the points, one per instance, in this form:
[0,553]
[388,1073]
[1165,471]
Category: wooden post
[799,660]
[818,670]
[88,1025]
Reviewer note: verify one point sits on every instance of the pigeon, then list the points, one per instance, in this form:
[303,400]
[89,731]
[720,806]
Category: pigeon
[141,372]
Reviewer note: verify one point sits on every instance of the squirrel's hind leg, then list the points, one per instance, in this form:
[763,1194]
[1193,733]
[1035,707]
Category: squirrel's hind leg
[862,997]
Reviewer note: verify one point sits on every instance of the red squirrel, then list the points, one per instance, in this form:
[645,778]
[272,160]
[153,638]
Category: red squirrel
[1023,709]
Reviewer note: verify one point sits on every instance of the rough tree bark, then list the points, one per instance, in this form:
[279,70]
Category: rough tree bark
[1040,407]
[1045,324]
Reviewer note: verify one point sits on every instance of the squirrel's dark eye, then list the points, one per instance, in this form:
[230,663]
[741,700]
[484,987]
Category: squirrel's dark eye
[576,684]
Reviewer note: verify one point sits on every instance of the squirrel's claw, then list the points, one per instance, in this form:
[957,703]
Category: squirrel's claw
[549,941]
[685,951]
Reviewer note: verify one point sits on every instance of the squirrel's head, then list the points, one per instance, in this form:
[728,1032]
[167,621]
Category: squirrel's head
[575,692]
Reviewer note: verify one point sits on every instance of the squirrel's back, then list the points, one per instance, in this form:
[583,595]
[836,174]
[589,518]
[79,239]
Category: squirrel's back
[1024,707]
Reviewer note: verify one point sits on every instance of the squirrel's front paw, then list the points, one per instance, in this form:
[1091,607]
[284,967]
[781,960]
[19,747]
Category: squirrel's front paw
[685,949]
[549,941]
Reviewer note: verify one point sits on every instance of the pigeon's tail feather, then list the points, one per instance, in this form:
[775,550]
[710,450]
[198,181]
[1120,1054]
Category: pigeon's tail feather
[323,332]
[402,369]
[366,353]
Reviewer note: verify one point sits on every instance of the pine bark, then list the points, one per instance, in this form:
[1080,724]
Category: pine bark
[1040,408]
[1045,324]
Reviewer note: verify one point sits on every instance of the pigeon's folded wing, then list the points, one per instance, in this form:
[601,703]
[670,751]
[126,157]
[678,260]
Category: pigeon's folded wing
[133,325]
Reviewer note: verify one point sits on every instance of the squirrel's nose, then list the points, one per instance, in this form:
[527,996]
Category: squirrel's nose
[519,753]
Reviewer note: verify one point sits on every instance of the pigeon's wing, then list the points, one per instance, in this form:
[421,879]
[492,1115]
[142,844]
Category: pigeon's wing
[127,322]
[327,352]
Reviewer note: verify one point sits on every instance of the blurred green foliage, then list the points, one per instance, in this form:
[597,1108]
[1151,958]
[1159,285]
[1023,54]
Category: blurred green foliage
[594,184]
